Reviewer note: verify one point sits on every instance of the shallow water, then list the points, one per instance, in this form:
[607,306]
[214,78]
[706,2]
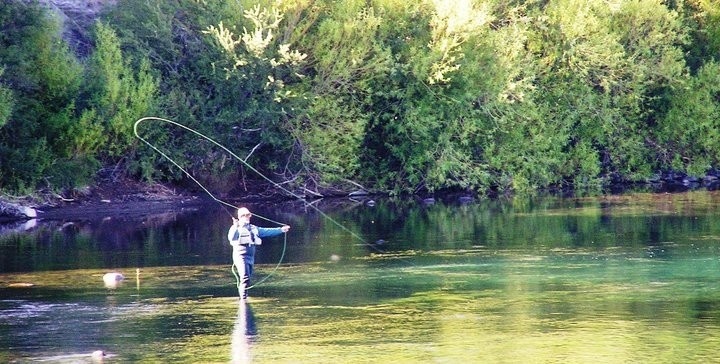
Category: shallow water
[599,280]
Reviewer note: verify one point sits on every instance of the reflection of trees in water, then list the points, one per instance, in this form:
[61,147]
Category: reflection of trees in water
[196,235]
[243,335]
[183,236]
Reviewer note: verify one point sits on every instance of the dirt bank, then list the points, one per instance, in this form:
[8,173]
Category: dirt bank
[114,198]
[128,198]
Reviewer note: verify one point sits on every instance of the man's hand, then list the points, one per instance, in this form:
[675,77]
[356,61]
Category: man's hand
[285,228]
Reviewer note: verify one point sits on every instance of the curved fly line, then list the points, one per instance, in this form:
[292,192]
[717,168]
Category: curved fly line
[224,203]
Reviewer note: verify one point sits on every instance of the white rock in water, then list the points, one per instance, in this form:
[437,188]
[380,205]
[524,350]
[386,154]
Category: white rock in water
[30,212]
[112,279]
[13,211]
[97,356]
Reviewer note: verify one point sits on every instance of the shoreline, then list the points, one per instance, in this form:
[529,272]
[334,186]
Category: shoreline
[130,199]
[126,197]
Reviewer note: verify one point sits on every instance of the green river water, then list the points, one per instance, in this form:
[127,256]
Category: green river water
[615,279]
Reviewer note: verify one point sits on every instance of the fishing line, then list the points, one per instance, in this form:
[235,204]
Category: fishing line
[233,268]
[247,165]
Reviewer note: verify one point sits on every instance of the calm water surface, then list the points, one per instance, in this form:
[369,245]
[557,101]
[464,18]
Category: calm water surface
[615,279]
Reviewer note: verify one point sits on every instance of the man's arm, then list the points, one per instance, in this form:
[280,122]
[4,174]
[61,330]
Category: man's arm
[268,232]
[231,233]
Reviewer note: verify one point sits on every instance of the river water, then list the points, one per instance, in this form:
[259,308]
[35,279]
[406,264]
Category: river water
[631,278]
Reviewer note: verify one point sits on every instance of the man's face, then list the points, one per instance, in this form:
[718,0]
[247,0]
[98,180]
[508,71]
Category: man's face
[244,215]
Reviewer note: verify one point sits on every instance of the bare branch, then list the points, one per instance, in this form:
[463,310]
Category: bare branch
[355,184]
[252,151]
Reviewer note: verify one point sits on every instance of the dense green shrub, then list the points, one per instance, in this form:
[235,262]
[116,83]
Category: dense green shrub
[117,95]
[690,133]
[6,102]
[44,77]
[387,94]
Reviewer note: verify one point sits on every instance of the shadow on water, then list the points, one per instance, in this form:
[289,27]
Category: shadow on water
[628,278]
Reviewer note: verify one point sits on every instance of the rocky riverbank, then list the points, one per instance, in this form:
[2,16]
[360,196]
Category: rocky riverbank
[116,197]
[127,197]
[122,197]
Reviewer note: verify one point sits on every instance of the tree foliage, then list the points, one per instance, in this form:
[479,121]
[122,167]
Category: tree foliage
[691,130]
[6,102]
[42,77]
[392,95]
[117,94]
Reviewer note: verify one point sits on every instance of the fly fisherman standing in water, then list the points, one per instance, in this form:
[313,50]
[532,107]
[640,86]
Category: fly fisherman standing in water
[244,237]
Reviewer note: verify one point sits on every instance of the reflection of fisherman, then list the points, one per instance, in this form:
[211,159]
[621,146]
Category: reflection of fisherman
[244,237]
[243,335]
